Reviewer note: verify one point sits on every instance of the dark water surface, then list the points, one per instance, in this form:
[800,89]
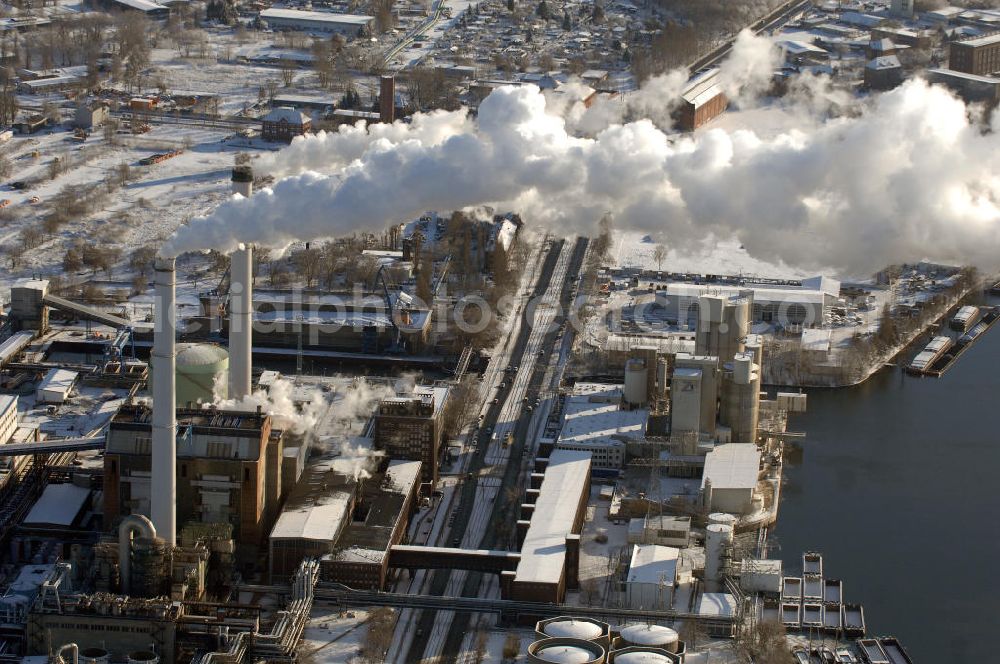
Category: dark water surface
[899,488]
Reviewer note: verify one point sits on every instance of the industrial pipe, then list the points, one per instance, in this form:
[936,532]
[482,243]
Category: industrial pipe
[76,653]
[131,524]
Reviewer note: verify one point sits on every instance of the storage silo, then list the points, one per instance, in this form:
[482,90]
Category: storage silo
[198,364]
[648,636]
[585,629]
[718,544]
[565,651]
[636,382]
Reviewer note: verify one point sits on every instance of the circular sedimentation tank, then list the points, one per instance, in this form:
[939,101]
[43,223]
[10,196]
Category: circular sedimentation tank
[565,651]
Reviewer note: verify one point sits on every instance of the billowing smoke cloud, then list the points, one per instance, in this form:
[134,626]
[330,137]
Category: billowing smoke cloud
[330,421]
[906,177]
[746,74]
[328,152]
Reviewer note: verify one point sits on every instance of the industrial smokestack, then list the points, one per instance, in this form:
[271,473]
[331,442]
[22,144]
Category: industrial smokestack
[387,99]
[243,180]
[240,322]
[163,486]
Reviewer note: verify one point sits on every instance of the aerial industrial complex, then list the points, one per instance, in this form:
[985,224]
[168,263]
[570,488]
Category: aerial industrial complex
[444,331]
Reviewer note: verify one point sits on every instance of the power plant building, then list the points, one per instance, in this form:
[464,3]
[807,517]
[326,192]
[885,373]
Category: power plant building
[227,470]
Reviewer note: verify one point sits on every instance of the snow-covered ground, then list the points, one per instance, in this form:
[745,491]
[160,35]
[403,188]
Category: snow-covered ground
[159,198]
[333,638]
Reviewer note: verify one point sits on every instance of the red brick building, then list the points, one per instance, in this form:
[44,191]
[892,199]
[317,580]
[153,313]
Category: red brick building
[285,123]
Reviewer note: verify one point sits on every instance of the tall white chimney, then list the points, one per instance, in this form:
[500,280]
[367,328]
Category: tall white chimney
[240,322]
[163,486]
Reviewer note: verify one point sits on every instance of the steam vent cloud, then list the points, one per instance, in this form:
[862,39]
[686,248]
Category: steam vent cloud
[905,176]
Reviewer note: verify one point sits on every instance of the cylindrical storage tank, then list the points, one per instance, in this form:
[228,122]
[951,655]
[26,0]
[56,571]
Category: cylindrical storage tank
[724,518]
[94,656]
[718,541]
[642,655]
[585,629]
[198,364]
[743,368]
[653,636]
[143,657]
[635,382]
[565,651]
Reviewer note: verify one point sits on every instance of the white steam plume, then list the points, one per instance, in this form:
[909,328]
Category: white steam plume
[746,74]
[908,177]
[331,424]
[328,152]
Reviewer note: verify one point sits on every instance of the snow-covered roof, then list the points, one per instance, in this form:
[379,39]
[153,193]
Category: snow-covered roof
[646,634]
[732,466]
[884,62]
[319,17]
[652,563]
[985,40]
[59,505]
[321,522]
[543,553]
[574,628]
[593,415]
[716,604]
[287,114]
[402,474]
[761,293]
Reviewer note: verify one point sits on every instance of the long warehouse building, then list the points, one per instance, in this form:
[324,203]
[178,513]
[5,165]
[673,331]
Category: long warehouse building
[550,552]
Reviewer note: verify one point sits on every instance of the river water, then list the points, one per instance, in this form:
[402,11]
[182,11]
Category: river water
[898,488]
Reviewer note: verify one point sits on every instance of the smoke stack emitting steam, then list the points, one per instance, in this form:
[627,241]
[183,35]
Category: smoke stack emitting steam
[905,176]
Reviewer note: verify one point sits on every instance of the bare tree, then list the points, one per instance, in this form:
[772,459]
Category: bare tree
[659,255]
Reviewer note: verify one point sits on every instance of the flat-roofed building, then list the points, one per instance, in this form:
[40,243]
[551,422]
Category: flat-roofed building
[980,55]
[550,551]
[652,573]
[379,521]
[596,421]
[730,478]
[972,88]
[317,511]
[348,25]
[408,426]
